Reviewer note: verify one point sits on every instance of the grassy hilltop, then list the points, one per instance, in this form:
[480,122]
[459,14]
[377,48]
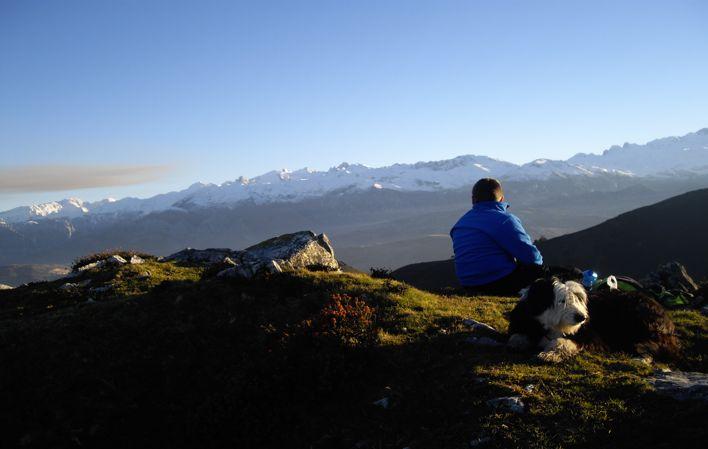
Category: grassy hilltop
[161,355]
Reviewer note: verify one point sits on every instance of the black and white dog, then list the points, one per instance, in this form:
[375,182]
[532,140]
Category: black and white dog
[559,318]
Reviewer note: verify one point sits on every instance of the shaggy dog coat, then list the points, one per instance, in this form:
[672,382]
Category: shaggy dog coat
[629,322]
[560,318]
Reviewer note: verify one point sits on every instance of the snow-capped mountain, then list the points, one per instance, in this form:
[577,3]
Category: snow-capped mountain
[666,156]
[660,157]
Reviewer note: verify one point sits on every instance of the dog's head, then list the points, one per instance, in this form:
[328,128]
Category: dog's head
[558,306]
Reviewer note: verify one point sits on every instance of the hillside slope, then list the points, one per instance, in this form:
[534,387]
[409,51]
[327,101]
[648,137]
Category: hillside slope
[636,242]
[163,355]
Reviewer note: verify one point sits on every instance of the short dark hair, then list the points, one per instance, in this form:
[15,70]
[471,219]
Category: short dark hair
[487,189]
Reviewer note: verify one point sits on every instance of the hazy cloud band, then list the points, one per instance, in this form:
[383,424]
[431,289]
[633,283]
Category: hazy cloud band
[50,178]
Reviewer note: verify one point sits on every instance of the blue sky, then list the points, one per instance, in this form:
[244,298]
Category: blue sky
[218,89]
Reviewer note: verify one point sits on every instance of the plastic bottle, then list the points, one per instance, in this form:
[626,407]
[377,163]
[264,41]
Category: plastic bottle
[589,278]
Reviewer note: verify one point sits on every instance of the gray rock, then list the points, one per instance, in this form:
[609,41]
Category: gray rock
[296,251]
[91,266]
[112,260]
[300,250]
[480,441]
[115,260]
[512,404]
[671,276]
[229,261]
[384,403]
[6,287]
[75,285]
[69,286]
[478,325]
[135,260]
[201,256]
[704,310]
[681,385]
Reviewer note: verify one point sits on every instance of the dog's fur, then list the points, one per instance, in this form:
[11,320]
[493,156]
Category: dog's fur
[559,318]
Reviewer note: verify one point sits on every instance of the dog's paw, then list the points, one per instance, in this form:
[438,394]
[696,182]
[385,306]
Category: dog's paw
[518,342]
[551,356]
[558,350]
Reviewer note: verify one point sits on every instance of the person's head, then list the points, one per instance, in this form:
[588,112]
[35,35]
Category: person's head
[487,189]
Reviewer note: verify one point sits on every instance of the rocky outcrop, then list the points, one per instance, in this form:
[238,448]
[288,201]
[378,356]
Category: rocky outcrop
[5,287]
[681,385]
[114,260]
[201,256]
[671,276]
[300,250]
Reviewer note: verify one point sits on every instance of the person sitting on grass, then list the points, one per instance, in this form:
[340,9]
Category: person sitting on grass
[493,253]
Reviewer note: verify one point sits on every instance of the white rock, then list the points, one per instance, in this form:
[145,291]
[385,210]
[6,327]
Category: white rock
[134,260]
[116,260]
[91,266]
[6,287]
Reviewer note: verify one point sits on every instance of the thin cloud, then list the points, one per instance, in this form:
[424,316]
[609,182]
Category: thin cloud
[51,178]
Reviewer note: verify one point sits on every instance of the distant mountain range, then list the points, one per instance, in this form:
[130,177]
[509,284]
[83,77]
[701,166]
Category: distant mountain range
[390,216]
[660,158]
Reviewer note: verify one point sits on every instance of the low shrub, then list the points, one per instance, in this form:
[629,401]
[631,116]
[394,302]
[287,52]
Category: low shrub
[344,320]
[380,272]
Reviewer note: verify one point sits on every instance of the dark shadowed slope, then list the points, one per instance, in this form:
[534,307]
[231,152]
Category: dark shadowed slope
[432,276]
[636,242]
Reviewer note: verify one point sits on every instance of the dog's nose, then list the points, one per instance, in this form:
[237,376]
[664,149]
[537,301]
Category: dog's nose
[579,317]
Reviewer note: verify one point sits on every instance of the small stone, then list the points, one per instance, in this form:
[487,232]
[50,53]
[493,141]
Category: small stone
[681,385]
[704,310]
[529,388]
[512,404]
[91,266]
[116,260]
[384,403]
[478,325]
[134,260]
[69,286]
[480,441]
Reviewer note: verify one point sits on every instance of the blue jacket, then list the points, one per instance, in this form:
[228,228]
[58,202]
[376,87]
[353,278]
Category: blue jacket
[489,242]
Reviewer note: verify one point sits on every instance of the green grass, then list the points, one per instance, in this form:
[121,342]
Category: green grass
[179,359]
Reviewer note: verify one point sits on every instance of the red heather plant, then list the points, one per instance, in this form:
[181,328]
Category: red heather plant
[349,321]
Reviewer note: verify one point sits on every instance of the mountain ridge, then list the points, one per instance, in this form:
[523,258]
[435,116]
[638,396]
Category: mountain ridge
[296,185]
